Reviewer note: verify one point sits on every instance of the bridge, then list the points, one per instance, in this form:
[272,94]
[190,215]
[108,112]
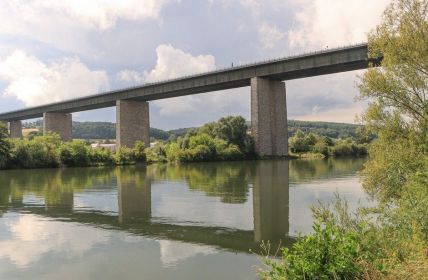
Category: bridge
[268,97]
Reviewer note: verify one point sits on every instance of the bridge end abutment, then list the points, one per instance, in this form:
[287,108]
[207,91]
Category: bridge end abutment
[132,123]
[269,117]
[59,123]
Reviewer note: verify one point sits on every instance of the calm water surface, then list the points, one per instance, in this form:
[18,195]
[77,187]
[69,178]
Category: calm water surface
[193,221]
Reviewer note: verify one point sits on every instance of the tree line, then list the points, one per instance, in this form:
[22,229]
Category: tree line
[107,130]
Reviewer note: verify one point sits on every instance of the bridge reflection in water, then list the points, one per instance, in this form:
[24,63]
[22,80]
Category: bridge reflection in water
[232,183]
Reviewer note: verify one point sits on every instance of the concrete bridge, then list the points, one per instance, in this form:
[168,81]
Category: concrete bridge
[268,97]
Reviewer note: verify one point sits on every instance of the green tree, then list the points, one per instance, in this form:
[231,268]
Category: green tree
[398,96]
[4,145]
[233,130]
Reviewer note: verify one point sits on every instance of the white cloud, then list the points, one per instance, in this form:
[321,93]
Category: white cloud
[321,23]
[254,6]
[34,82]
[100,14]
[340,115]
[173,63]
[271,36]
[131,76]
[324,98]
[70,25]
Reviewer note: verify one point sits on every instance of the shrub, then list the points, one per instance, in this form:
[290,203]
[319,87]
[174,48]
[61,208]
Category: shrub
[20,155]
[5,146]
[37,153]
[173,152]
[139,153]
[328,253]
[199,153]
[75,153]
[232,152]
[321,148]
[101,156]
[157,153]
[124,156]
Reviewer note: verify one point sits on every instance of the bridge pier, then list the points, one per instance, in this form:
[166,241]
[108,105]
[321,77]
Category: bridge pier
[271,201]
[60,123]
[132,123]
[269,117]
[15,129]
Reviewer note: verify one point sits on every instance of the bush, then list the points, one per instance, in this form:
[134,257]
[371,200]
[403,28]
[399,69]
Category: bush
[101,156]
[20,155]
[173,152]
[321,148]
[328,253]
[156,154]
[75,153]
[232,152]
[124,156]
[348,148]
[139,151]
[5,146]
[37,153]
[199,153]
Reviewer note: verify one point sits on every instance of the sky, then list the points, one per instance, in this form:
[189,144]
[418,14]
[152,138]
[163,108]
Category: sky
[56,50]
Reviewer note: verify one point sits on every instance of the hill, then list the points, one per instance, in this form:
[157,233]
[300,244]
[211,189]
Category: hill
[107,130]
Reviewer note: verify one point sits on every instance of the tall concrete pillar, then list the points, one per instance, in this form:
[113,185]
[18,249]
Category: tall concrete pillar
[134,195]
[15,129]
[60,123]
[271,201]
[269,117]
[132,123]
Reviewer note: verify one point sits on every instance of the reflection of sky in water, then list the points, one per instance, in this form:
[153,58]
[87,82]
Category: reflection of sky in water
[33,199]
[42,247]
[25,239]
[303,195]
[100,200]
[38,248]
[174,203]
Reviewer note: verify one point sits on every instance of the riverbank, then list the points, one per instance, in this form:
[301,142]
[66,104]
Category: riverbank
[225,140]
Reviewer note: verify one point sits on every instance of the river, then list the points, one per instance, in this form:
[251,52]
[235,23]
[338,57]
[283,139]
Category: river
[188,221]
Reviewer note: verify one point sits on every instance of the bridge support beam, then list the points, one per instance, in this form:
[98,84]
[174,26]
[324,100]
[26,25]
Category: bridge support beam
[58,123]
[132,123]
[269,117]
[15,129]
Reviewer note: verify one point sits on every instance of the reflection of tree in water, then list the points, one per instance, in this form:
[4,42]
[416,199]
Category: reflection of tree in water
[51,184]
[324,168]
[227,180]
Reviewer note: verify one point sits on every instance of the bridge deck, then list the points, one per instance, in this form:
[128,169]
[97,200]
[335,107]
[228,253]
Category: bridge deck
[295,67]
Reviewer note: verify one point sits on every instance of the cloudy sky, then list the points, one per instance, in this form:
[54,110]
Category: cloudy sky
[56,50]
